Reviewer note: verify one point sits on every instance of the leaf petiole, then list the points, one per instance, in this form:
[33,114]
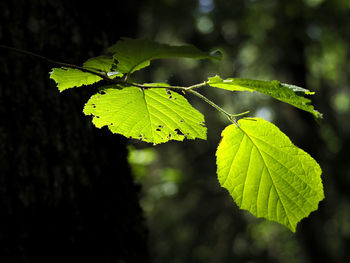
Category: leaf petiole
[240,114]
[211,103]
[197,85]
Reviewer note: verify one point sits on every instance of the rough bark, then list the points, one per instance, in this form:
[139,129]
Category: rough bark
[66,191]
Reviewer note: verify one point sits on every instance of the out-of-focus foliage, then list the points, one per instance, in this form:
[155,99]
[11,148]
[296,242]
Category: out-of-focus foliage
[305,42]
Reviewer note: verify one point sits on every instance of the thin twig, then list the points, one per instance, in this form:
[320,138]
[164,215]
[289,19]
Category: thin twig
[197,85]
[66,65]
[124,82]
[217,107]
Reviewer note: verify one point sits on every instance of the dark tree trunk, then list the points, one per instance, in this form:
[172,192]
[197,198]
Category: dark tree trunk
[66,192]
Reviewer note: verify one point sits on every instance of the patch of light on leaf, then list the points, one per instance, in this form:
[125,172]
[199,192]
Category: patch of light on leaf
[205,6]
[205,25]
[113,73]
[264,113]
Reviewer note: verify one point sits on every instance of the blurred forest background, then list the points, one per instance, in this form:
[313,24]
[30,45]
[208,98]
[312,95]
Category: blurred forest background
[189,217]
[302,42]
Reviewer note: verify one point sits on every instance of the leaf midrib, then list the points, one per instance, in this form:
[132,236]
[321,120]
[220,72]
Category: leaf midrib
[268,170]
[148,112]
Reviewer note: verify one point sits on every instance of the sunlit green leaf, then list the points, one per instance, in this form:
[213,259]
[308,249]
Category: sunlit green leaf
[67,78]
[152,115]
[266,174]
[135,54]
[283,92]
[101,63]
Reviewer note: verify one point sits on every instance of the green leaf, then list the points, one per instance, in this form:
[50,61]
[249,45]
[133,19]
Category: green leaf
[67,78]
[154,115]
[101,63]
[135,54]
[283,92]
[266,174]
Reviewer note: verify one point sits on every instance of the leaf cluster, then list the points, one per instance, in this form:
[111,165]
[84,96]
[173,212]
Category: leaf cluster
[261,168]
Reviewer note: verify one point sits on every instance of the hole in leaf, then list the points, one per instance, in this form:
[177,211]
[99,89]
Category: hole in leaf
[202,124]
[159,127]
[178,132]
[169,136]
[102,92]
[182,121]
[168,92]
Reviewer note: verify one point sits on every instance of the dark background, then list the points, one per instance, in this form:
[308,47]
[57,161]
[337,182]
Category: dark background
[66,191]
